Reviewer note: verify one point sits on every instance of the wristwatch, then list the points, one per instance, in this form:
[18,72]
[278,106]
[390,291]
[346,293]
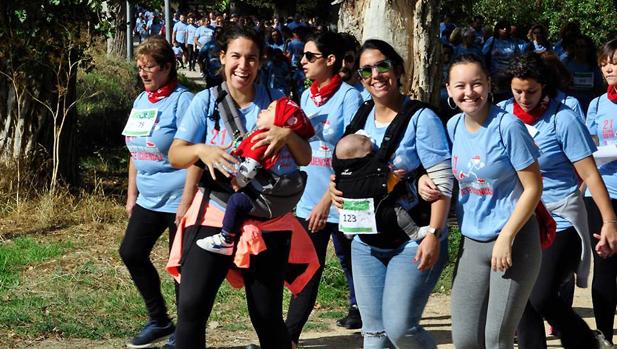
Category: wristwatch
[434,231]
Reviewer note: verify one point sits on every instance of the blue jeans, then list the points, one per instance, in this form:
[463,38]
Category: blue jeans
[392,292]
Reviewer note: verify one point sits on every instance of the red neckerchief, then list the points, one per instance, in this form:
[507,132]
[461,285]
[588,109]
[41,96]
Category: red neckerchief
[612,94]
[321,95]
[165,91]
[531,116]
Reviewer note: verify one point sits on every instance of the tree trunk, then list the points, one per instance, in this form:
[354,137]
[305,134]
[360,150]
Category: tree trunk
[25,124]
[411,27]
[116,45]
[26,127]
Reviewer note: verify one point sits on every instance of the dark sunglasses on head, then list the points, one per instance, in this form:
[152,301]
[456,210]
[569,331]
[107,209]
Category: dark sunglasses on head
[382,67]
[311,56]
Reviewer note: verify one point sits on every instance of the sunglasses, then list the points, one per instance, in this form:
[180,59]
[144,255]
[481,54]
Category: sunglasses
[311,56]
[382,67]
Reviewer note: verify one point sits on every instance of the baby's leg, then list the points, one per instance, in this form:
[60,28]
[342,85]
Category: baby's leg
[238,208]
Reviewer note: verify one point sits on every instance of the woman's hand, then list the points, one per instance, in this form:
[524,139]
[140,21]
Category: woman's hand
[607,244]
[428,252]
[181,211]
[502,252]
[427,189]
[275,138]
[335,195]
[130,203]
[319,215]
[215,157]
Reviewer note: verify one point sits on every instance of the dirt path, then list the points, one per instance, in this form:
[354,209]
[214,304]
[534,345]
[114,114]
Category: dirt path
[436,320]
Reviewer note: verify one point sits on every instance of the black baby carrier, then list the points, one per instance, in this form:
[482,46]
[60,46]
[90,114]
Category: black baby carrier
[367,177]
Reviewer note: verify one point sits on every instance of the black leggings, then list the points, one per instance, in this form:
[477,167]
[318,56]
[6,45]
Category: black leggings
[144,229]
[203,273]
[558,262]
[604,285]
[300,307]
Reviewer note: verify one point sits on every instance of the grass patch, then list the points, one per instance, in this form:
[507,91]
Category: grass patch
[444,284]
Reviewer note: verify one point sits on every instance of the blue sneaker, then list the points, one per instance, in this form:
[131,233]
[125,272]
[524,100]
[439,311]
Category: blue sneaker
[171,342]
[151,333]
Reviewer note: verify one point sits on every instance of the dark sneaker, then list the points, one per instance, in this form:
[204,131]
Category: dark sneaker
[151,333]
[601,341]
[352,321]
[171,342]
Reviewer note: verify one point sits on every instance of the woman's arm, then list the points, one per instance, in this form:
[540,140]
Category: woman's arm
[131,193]
[193,175]
[532,191]
[607,245]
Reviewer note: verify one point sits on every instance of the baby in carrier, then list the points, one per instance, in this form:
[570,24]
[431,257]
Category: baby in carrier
[358,177]
[260,191]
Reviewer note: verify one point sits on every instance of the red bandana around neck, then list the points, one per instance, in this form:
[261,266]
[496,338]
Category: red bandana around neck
[321,95]
[612,94]
[530,117]
[165,91]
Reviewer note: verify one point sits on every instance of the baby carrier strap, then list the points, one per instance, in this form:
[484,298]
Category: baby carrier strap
[398,126]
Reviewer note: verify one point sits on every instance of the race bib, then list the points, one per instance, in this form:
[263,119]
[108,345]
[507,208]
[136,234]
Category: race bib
[140,123]
[582,80]
[357,217]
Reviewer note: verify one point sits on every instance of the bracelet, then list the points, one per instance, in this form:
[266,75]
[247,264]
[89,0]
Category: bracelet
[609,222]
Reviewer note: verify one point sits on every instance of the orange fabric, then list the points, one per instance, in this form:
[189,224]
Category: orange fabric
[250,243]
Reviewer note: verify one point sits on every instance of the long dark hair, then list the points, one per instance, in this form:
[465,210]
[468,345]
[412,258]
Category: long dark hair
[330,43]
[387,50]
[232,32]
[607,52]
[531,66]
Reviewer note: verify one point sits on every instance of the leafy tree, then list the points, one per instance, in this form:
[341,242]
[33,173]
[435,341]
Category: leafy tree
[596,17]
[40,42]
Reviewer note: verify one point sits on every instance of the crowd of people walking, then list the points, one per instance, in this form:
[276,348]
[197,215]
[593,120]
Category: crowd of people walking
[303,135]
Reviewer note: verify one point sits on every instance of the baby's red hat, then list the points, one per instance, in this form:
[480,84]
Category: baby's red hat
[288,114]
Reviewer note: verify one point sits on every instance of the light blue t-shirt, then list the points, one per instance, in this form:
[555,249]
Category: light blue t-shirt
[602,122]
[198,124]
[295,49]
[485,163]
[204,35]
[190,34]
[180,29]
[500,52]
[329,121]
[363,92]
[571,102]
[424,143]
[158,183]
[563,140]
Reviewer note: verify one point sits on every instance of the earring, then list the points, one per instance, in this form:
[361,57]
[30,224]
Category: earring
[451,103]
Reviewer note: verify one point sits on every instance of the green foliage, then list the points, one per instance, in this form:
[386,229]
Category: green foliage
[597,17]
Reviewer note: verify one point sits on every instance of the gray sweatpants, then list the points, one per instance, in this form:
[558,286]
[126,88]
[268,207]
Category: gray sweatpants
[487,305]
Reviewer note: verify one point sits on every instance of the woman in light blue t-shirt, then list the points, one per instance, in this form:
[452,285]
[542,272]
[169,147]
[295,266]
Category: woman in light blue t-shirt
[566,151]
[394,273]
[495,162]
[154,195]
[602,124]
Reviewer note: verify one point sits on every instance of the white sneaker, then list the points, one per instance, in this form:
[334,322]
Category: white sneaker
[601,340]
[216,244]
